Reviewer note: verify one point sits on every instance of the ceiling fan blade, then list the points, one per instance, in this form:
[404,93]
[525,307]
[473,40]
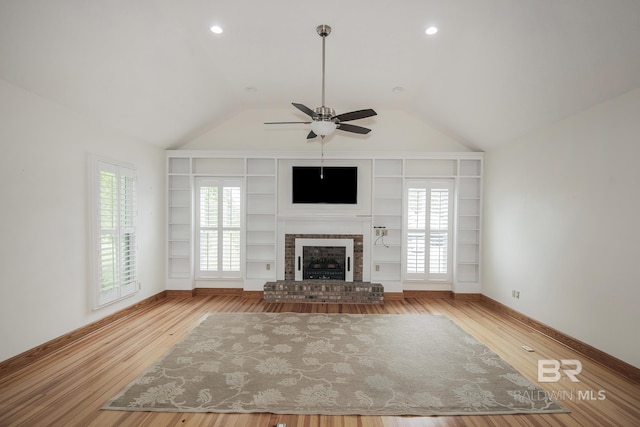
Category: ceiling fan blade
[308,111]
[286,123]
[353,128]
[355,115]
[311,135]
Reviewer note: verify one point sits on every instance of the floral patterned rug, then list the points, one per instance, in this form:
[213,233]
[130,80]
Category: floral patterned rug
[336,364]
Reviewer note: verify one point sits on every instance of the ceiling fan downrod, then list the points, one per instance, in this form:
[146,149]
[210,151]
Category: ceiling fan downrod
[323,112]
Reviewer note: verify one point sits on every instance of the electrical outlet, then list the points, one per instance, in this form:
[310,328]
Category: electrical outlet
[385,231]
[377,267]
[515,294]
[268,267]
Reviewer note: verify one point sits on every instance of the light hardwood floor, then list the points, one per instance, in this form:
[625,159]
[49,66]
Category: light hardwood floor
[67,387]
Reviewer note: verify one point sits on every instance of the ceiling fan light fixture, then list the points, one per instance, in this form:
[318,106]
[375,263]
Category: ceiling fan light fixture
[431,30]
[323,127]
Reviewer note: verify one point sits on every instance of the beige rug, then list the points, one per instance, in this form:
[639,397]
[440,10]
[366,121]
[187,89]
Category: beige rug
[292,363]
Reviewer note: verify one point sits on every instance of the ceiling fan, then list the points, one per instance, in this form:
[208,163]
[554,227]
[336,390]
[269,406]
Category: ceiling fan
[325,120]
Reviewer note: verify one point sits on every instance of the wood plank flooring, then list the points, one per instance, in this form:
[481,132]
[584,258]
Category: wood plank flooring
[67,387]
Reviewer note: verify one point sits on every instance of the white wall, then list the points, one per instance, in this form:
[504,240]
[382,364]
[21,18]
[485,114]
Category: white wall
[562,226]
[44,224]
[392,130]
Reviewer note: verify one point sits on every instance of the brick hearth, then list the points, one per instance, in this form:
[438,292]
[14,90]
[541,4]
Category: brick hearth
[336,291]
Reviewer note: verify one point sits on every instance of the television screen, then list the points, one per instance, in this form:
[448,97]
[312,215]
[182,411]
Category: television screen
[328,184]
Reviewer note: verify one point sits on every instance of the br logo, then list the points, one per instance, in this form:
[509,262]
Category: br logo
[549,370]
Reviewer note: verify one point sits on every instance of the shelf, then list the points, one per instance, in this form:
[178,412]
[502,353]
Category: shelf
[261,204]
[261,167]
[179,268]
[388,209]
[468,273]
[261,237]
[471,222]
[179,165]
[469,188]
[218,166]
[436,168]
[261,185]
[387,187]
[388,167]
[470,168]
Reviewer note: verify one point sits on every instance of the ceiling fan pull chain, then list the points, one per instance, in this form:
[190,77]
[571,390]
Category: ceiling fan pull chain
[321,156]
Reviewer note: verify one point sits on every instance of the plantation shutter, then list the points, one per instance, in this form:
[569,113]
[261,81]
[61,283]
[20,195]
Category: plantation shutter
[416,238]
[231,217]
[439,231]
[128,243]
[428,216]
[116,232]
[208,228]
[219,219]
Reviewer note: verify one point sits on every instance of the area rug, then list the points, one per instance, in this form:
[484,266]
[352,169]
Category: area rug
[335,364]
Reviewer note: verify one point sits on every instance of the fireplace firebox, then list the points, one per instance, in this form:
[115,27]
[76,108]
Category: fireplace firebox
[324,259]
[324,262]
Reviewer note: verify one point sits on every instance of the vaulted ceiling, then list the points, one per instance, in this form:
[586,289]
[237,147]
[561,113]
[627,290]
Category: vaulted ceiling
[495,71]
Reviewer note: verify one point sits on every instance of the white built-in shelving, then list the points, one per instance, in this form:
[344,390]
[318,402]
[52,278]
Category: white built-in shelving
[386,183]
[388,180]
[469,210]
[260,213]
[386,251]
[179,198]
[261,219]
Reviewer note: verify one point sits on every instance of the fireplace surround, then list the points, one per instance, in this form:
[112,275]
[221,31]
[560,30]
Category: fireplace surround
[324,240]
[323,259]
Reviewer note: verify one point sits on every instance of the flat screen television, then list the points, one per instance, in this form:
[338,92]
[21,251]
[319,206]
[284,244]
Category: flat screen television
[328,184]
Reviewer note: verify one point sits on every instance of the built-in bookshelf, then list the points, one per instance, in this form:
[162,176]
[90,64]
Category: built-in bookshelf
[261,219]
[260,214]
[384,185]
[386,251]
[179,203]
[468,222]
[388,181]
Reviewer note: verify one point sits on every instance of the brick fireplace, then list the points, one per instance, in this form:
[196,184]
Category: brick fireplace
[290,252]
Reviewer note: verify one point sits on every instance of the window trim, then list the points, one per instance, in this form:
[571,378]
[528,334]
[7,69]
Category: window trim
[120,291]
[429,184]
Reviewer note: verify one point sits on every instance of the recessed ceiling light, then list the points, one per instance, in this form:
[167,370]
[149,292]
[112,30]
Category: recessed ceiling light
[397,89]
[216,29]
[251,89]
[431,30]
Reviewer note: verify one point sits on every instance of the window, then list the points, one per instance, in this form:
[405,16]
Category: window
[114,198]
[219,227]
[428,237]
